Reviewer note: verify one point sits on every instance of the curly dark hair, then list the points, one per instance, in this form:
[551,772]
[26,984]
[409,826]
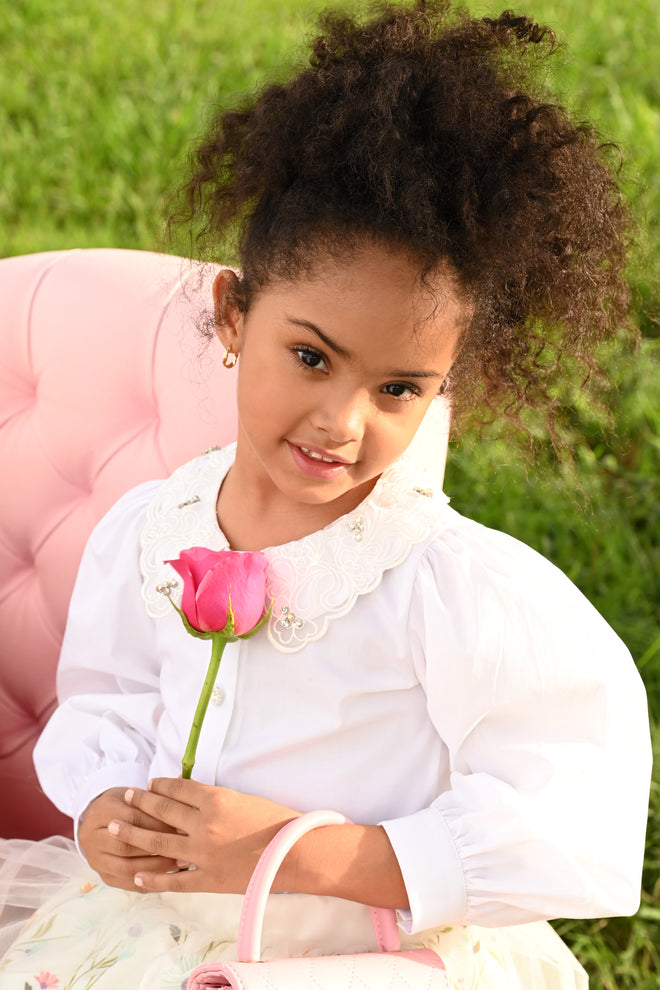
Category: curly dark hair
[430,131]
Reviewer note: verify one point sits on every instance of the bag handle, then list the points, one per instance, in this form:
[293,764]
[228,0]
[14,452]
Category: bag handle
[256,895]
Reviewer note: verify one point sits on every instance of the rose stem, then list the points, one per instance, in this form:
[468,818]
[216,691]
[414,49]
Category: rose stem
[217,649]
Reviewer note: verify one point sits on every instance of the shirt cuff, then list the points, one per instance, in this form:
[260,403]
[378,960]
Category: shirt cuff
[431,869]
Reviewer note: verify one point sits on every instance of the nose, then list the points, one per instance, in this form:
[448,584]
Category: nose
[342,414]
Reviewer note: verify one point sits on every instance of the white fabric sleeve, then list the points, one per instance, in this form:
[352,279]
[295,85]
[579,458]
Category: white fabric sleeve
[544,717]
[103,733]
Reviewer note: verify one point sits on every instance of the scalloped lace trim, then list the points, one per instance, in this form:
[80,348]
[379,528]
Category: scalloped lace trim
[312,580]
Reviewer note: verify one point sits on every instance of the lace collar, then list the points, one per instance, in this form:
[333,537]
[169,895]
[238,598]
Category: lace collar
[312,580]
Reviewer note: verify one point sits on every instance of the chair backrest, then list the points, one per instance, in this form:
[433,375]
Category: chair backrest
[104,383]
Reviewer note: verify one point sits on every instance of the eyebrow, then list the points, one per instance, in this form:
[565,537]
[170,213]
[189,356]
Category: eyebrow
[342,352]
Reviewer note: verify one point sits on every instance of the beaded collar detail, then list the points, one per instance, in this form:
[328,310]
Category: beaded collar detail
[312,580]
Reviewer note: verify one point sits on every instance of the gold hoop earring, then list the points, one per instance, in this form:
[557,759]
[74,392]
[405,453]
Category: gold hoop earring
[229,358]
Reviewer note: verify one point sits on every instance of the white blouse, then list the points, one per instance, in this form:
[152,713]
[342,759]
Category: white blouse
[418,671]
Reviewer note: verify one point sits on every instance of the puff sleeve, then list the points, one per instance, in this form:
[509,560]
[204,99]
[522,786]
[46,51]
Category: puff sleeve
[103,733]
[544,717]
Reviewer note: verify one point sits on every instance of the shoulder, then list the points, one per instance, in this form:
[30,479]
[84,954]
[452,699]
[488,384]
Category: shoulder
[467,551]
[123,522]
[503,603]
[108,574]
[154,508]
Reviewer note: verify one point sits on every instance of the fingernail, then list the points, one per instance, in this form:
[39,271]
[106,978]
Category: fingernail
[149,785]
[113,828]
[129,795]
[138,881]
[182,864]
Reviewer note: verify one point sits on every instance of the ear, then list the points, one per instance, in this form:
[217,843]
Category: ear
[228,314]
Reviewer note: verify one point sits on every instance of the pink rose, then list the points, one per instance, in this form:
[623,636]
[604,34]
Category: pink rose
[224,599]
[215,579]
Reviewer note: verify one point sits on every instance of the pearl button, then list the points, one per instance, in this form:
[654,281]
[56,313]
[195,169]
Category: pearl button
[217,697]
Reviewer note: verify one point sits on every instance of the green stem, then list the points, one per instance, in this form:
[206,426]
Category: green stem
[217,649]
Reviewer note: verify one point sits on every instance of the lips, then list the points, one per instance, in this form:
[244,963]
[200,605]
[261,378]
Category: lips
[317,456]
[316,462]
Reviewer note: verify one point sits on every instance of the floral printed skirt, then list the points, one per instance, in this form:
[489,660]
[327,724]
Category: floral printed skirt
[61,927]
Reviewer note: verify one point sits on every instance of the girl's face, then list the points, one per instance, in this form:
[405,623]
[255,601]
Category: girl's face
[336,371]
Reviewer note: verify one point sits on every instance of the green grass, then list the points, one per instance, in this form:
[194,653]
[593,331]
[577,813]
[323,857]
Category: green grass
[599,521]
[101,100]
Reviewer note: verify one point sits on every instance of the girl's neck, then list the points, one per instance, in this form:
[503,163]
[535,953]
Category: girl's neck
[252,521]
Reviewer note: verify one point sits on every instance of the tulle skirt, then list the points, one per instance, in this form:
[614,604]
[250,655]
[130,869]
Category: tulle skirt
[61,927]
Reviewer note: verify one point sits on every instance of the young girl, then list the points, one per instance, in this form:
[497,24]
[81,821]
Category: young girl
[414,218]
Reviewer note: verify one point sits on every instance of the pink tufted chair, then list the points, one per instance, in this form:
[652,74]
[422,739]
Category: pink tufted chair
[103,384]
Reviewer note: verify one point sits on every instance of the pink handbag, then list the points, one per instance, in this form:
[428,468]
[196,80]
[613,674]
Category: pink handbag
[389,969]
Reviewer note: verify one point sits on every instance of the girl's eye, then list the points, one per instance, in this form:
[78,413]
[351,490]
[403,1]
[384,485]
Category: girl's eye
[310,358]
[401,391]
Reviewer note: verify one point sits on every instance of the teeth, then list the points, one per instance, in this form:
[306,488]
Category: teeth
[317,457]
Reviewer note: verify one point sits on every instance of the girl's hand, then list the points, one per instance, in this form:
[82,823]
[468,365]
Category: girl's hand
[114,860]
[223,833]
[220,832]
